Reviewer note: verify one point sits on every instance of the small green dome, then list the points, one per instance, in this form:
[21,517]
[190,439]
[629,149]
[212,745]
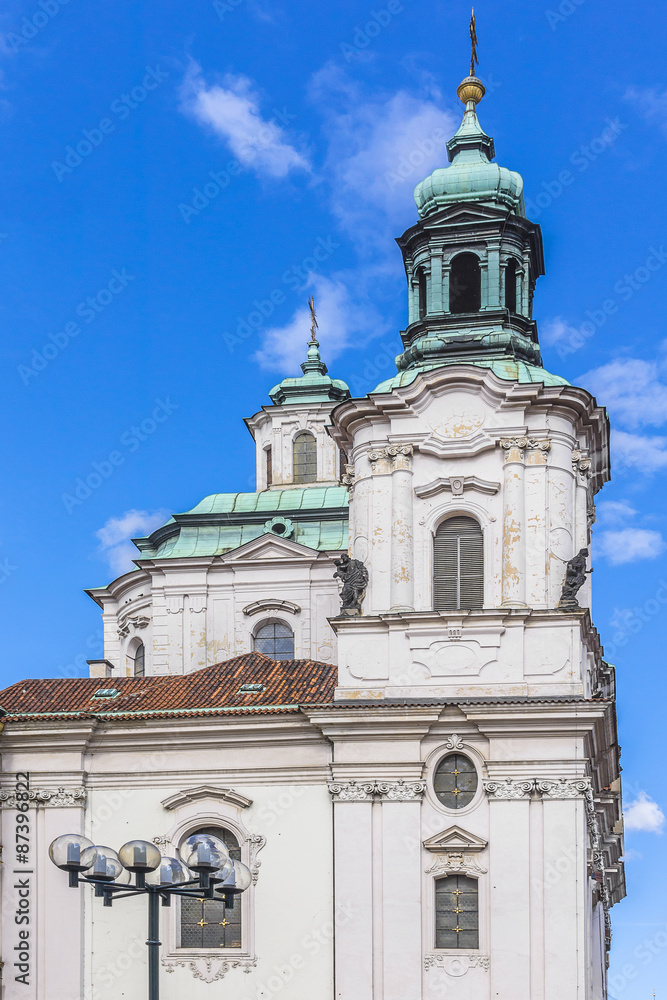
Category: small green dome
[471,176]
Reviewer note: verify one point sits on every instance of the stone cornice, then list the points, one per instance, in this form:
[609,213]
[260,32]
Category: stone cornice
[366,791]
[56,797]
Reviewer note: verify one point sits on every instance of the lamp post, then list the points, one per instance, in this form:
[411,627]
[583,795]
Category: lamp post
[159,878]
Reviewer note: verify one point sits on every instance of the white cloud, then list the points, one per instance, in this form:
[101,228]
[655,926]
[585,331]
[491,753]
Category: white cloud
[644,815]
[629,545]
[650,103]
[558,330]
[115,537]
[631,389]
[378,150]
[645,453]
[341,320]
[615,512]
[231,110]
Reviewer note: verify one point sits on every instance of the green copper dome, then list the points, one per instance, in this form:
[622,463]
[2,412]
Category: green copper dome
[505,368]
[471,176]
[314,386]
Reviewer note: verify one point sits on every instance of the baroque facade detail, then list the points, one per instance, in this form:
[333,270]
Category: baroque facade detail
[522,444]
[365,791]
[209,970]
[47,797]
[519,788]
[456,863]
[392,457]
[456,966]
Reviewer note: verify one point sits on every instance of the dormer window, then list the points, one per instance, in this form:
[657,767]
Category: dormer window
[465,284]
[305,458]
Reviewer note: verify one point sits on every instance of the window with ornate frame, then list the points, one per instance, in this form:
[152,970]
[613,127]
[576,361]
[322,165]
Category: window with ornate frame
[209,923]
[456,912]
[455,781]
[458,565]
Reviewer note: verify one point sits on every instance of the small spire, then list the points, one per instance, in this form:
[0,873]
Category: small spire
[473,42]
[471,90]
[314,361]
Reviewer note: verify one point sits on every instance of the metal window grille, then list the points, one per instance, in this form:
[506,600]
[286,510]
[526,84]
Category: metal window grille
[275,640]
[458,565]
[456,912]
[455,781]
[305,458]
[140,661]
[207,923]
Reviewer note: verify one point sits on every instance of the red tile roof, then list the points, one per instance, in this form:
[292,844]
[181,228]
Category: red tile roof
[285,684]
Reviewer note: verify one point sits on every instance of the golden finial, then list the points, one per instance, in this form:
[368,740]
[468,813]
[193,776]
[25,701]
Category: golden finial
[472,88]
[313,319]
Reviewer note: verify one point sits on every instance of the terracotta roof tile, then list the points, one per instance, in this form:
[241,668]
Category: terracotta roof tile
[274,686]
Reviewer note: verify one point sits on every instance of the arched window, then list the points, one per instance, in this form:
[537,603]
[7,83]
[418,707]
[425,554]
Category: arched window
[269,466]
[305,458]
[456,912]
[510,285]
[275,639]
[465,286]
[208,923]
[458,565]
[421,277]
[140,660]
[455,781]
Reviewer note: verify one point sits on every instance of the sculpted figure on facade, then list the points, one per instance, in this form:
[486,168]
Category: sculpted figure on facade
[575,577]
[354,575]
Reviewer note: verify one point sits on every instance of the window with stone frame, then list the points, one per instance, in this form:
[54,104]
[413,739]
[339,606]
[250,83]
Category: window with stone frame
[458,565]
[275,639]
[456,912]
[304,453]
[139,660]
[209,923]
[455,781]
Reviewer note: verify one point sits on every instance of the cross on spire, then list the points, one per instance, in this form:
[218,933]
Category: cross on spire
[314,325]
[473,42]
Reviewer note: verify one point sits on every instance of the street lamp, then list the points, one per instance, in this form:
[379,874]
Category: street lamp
[216,876]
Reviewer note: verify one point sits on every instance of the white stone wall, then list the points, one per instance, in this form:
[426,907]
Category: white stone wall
[276,427]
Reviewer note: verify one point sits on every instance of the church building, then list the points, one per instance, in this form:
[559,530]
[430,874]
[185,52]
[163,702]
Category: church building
[376,677]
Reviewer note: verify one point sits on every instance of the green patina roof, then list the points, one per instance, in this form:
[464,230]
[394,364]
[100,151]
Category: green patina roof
[505,368]
[224,521]
[314,386]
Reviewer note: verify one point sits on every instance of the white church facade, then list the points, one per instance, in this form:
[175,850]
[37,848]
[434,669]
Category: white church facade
[424,782]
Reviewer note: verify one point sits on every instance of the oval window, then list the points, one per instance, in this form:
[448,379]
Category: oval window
[455,781]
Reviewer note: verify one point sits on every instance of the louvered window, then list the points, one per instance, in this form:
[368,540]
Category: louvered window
[455,781]
[456,912]
[305,458]
[458,565]
[208,923]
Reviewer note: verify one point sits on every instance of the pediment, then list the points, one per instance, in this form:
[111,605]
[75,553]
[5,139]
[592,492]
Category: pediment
[455,839]
[457,485]
[206,792]
[270,548]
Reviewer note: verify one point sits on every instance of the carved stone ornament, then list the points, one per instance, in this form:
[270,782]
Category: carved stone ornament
[392,457]
[456,965]
[562,788]
[508,788]
[197,603]
[209,969]
[400,791]
[581,464]
[255,842]
[456,863]
[352,791]
[174,605]
[47,797]
[138,621]
[454,742]
[347,479]
[523,444]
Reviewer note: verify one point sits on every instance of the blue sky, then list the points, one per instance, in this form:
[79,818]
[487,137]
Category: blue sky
[178,178]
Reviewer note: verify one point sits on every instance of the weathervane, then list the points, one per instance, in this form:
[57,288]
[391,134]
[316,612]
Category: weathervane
[313,319]
[473,43]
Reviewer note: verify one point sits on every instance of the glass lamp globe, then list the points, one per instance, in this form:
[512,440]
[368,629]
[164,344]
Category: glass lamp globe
[139,856]
[73,853]
[238,881]
[204,853]
[171,871]
[223,873]
[106,865]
